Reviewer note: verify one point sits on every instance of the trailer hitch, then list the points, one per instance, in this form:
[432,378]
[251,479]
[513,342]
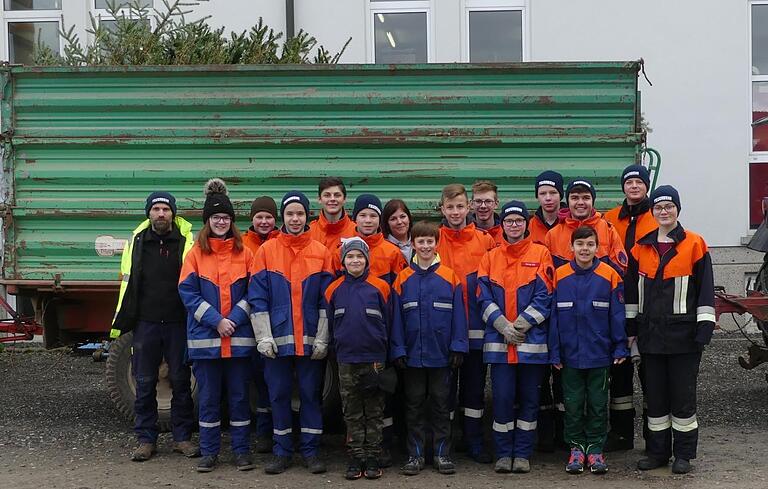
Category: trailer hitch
[18,327]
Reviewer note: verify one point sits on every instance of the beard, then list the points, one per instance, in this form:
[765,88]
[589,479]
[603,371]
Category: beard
[161,226]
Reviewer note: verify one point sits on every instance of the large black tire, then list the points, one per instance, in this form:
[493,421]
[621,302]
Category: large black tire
[333,418]
[122,387]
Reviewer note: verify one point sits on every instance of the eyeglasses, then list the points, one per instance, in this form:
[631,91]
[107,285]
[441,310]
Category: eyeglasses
[664,208]
[485,202]
[221,218]
[514,222]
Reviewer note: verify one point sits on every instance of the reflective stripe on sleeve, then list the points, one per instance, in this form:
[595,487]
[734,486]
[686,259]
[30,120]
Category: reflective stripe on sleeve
[243,304]
[705,313]
[201,309]
[489,310]
[536,315]
[630,311]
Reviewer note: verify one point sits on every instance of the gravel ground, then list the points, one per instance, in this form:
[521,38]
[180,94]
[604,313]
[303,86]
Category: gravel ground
[59,430]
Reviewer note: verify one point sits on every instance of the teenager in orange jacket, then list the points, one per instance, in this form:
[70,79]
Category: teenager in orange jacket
[549,194]
[485,200]
[333,224]
[461,247]
[580,196]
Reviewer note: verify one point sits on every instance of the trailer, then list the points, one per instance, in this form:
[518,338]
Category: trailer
[83,147]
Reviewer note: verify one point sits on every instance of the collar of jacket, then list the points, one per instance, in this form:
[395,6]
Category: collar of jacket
[462,235]
[634,210]
[373,240]
[539,214]
[333,227]
[431,268]
[400,244]
[293,241]
[572,222]
[350,278]
[516,250]
[221,246]
[184,226]
[582,271]
[272,234]
[677,235]
[173,235]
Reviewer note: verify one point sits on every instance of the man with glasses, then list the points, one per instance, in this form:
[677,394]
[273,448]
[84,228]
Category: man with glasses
[632,220]
[485,200]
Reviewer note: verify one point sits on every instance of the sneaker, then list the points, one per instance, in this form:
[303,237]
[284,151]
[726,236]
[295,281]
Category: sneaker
[143,452]
[596,462]
[207,463]
[481,456]
[413,466]
[681,466]
[616,443]
[186,448]
[264,444]
[354,469]
[521,466]
[372,469]
[385,458]
[243,461]
[575,462]
[503,465]
[444,465]
[314,464]
[277,465]
[650,463]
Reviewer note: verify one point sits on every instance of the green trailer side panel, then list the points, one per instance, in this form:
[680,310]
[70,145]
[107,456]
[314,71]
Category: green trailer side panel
[88,145]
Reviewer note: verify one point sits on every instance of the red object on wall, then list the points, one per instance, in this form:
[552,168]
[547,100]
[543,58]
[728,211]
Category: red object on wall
[758,189]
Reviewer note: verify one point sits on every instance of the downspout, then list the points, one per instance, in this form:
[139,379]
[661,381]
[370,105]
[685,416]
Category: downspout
[290,27]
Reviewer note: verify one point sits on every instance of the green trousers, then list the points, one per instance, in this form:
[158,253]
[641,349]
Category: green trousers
[585,393]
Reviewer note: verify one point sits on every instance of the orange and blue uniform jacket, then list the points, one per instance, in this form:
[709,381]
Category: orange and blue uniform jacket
[253,241]
[428,321]
[386,259]
[462,251]
[516,280]
[538,227]
[212,287]
[586,327]
[286,293]
[360,318]
[670,299]
[610,247]
[632,222]
[496,232]
[330,234]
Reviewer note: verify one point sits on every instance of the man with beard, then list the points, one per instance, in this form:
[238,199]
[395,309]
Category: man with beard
[150,306]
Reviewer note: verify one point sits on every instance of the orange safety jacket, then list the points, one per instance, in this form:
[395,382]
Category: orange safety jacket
[461,251]
[610,248]
[330,234]
[632,222]
[538,227]
[253,240]
[386,260]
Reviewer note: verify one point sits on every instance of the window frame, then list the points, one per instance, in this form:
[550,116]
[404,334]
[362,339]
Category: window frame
[754,156]
[103,14]
[398,7]
[26,16]
[468,6]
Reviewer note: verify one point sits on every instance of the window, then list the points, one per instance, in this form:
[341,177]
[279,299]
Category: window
[103,4]
[493,31]
[759,76]
[106,19]
[400,31]
[29,24]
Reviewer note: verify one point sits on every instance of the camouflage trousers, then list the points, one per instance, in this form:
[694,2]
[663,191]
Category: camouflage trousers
[363,412]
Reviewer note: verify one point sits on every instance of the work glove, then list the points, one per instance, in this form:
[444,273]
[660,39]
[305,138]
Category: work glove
[456,359]
[399,363]
[267,347]
[114,334]
[504,327]
[319,350]
[521,324]
[517,337]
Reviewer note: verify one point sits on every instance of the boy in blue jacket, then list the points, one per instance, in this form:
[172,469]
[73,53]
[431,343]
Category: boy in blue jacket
[587,336]
[429,339]
[359,318]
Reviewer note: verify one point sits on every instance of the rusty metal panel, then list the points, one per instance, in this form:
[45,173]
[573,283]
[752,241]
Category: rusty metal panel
[85,146]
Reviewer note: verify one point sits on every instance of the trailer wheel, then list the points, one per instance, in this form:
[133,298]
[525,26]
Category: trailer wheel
[333,419]
[122,387]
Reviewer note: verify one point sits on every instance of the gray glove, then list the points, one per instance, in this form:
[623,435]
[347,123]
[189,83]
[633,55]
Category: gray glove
[504,327]
[267,347]
[521,324]
[319,350]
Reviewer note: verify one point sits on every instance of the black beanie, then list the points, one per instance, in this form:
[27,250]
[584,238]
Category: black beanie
[291,197]
[636,171]
[666,193]
[580,182]
[551,178]
[216,200]
[514,207]
[366,201]
[264,203]
[160,198]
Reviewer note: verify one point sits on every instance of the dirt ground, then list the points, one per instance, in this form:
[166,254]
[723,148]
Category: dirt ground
[58,429]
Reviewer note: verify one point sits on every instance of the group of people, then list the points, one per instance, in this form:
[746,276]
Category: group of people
[560,304]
